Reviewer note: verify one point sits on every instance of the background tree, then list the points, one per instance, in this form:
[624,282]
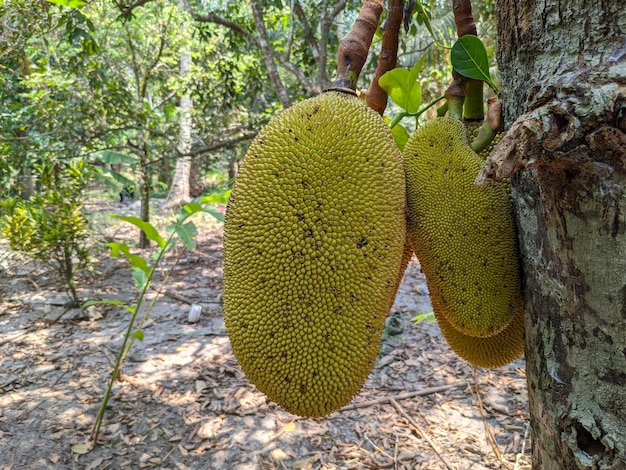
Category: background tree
[563,69]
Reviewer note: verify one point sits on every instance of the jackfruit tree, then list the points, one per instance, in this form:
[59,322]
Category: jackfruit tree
[563,75]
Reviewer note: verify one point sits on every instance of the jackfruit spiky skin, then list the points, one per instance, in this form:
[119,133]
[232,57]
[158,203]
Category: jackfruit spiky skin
[494,351]
[463,235]
[407,254]
[313,240]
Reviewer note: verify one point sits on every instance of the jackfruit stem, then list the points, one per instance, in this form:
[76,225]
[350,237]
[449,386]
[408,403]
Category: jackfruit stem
[442,110]
[375,96]
[474,106]
[463,17]
[484,138]
[474,100]
[355,46]
[490,127]
[455,95]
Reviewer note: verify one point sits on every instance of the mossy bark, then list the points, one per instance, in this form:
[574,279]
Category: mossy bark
[563,70]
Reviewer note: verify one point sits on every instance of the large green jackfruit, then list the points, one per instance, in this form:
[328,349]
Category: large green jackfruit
[313,241]
[463,235]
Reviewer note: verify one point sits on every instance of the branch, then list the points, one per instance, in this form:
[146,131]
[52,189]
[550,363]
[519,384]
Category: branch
[473,100]
[220,145]
[238,29]
[268,55]
[127,10]
[326,22]
[375,96]
[463,17]
[354,48]
[308,32]
[213,18]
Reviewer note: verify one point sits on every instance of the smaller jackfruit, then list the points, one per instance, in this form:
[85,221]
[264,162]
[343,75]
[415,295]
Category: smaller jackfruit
[463,235]
[494,351]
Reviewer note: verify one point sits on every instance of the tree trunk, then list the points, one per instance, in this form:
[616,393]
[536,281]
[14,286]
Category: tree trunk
[563,70]
[233,167]
[179,194]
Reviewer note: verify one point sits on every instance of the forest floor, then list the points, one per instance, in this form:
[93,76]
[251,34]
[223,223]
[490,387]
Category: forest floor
[184,402]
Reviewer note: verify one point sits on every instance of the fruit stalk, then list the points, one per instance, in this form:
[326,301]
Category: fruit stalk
[355,46]
[375,96]
[463,17]
[464,20]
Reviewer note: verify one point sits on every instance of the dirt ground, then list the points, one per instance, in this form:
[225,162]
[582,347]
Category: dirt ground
[184,402]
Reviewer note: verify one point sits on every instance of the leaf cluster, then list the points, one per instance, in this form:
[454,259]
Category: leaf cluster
[51,227]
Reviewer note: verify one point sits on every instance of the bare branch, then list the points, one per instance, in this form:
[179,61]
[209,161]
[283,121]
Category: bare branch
[268,55]
[221,144]
[376,97]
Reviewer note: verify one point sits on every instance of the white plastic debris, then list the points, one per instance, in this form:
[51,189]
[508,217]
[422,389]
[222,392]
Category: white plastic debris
[194,313]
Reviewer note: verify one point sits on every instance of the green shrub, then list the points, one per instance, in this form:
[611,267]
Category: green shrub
[51,226]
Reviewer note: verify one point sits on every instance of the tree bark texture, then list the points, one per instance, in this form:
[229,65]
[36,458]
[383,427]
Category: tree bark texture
[563,71]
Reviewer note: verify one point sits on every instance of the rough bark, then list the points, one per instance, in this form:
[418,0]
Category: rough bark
[563,70]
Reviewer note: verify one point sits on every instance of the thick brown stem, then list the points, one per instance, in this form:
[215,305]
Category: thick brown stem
[375,96]
[354,48]
[463,17]
[473,89]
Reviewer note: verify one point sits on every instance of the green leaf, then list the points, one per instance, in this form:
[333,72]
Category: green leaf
[428,317]
[69,3]
[469,58]
[403,88]
[140,277]
[187,232]
[220,198]
[149,229]
[135,260]
[400,135]
[111,157]
[112,178]
[211,210]
[138,334]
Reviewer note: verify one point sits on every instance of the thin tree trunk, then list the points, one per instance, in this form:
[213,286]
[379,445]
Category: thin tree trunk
[179,194]
[233,167]
[563,71]
[145,187]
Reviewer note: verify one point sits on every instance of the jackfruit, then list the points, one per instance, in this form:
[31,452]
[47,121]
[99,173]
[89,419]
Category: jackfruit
[407,254]
[494,351]
[313,240]
[463,235]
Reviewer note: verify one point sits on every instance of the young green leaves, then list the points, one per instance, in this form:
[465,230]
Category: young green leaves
[469,58]
[403,88]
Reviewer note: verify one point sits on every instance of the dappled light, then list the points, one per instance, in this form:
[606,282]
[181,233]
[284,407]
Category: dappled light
[184,401]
